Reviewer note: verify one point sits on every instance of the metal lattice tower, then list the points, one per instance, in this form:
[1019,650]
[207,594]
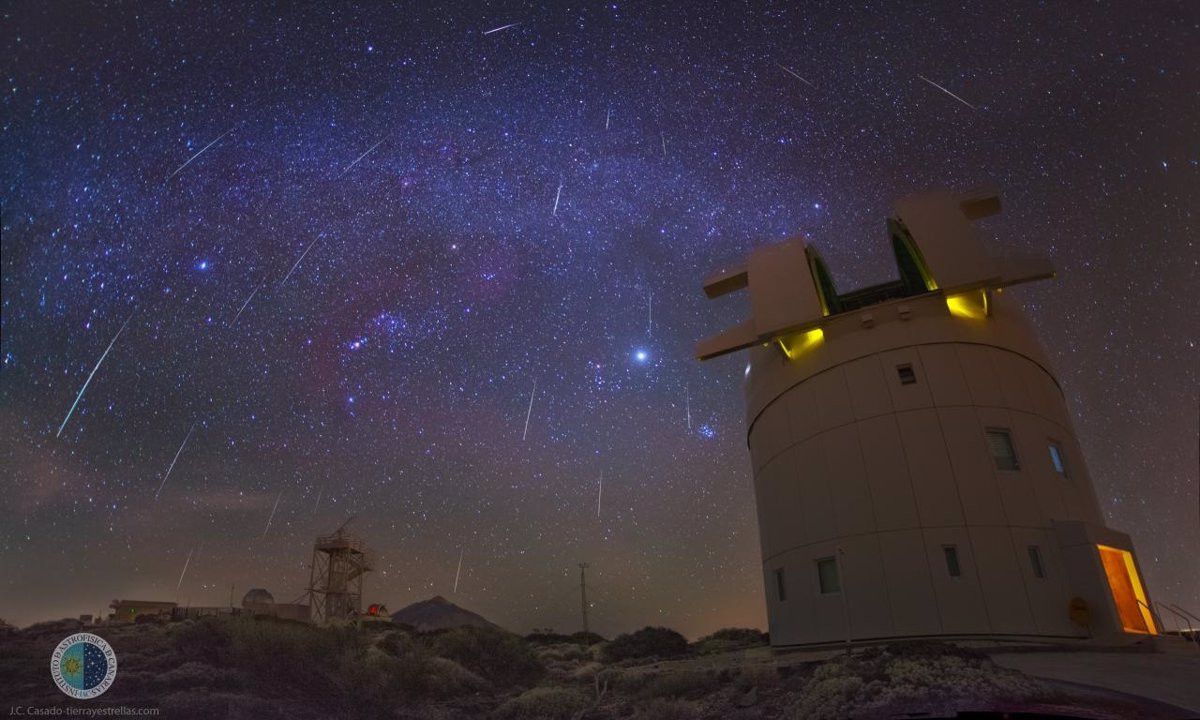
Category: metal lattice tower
[339,563]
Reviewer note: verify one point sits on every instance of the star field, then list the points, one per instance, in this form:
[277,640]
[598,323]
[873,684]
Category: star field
[413,266]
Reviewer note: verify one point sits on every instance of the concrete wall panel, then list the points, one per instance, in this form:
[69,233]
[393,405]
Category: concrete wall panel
[1011,378]
[980,375]
[816,502]
[803,414]
[906,397]
[1016,490]
[929,468]
[887,474]
[1000,579]
[1050,595]
[944,375]
[832,397]
[866,590]
[969,456]
[868,387]
[909,585]
[789,505]
[848,481]
[959,599]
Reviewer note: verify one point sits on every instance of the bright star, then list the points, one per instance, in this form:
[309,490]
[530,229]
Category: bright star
[641,355]
[202,265]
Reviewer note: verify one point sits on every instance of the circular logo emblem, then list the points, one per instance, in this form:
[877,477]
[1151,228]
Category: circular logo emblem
[83,665]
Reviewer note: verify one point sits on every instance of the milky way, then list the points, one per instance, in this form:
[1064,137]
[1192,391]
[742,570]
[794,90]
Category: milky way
[352,240]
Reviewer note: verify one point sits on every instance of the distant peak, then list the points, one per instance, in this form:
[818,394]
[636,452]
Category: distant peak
[438,599]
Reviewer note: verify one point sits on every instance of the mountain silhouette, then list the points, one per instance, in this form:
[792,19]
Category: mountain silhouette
[438,613]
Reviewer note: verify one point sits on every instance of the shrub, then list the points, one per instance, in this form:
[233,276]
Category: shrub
[729,639]
[567,651]
[552,703]
[649,642]
[586,638]
[207,639]
[498,656]
[932,649]
[587,671]
[195,675]
[678,683]
[758,675]
[660,709]
[924,676]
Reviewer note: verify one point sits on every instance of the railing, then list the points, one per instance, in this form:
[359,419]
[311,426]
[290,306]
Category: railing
[341,541]
[1181,616]
[1157,619]
[1185,612]
[1192,635]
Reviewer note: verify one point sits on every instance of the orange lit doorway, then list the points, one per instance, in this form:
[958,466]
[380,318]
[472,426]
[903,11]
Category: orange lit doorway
[1127,591]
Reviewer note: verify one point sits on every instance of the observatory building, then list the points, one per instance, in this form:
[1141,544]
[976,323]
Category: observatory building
[915,468]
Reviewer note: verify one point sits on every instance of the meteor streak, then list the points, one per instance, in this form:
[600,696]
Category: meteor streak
[529,412]
[243,307]
[687,401]
[502,27]
[300,259]
[650,315]
[175,459]
[360,157]
[320,493]
[557,195]
[939,87]
[599,492]
[789,72]
[458,571]
[87,382]
[189,160]
[608,118]
[185,567]
[272,517]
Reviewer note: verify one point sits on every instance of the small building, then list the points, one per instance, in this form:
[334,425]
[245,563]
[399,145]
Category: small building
[915,466]
[261,602]
[124,611]
[192,612]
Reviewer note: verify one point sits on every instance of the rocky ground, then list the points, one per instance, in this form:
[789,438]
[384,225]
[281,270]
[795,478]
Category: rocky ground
[242,667]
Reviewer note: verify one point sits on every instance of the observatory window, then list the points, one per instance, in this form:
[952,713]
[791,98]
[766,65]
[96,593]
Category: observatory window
[780,587]
[827,575]
[1001,444]
[952,566]
[1035,561]
[1058,459]
[907,376]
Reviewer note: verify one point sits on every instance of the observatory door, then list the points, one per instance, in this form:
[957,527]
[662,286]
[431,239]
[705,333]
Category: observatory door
[1127,592]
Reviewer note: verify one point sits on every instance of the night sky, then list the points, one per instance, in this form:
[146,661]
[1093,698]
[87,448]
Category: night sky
[349,242]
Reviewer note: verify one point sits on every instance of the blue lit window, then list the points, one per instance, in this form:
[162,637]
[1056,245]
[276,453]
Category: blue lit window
[1058,459]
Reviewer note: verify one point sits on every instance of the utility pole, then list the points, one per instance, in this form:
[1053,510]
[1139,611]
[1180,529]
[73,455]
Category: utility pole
[583,593]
